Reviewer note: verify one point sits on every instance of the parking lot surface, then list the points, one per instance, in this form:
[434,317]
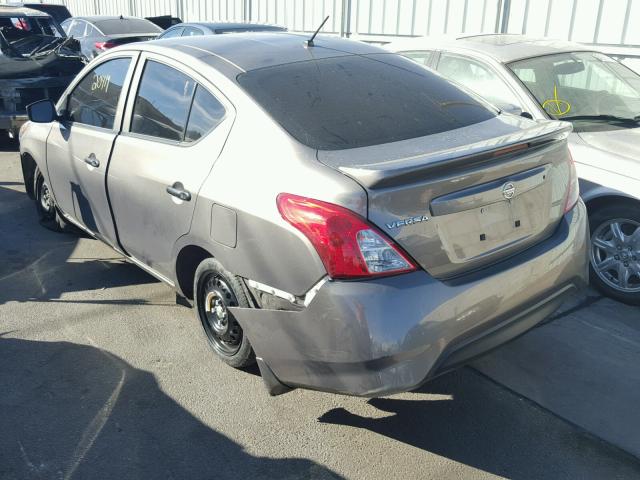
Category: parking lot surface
[102,375]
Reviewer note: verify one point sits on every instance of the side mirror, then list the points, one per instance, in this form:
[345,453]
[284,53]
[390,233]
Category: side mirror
[42,111]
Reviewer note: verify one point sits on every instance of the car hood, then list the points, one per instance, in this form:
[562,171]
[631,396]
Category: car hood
[625,142]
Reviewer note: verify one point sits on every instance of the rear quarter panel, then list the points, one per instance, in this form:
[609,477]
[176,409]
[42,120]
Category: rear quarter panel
[260,161]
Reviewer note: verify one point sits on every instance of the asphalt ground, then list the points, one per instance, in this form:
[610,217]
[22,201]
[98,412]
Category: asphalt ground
[102,375]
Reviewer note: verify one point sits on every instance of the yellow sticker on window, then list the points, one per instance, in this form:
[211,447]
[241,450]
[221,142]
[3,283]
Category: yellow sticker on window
[556,107]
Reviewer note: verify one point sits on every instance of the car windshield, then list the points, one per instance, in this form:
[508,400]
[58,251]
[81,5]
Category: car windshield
[590,89]
[361,100]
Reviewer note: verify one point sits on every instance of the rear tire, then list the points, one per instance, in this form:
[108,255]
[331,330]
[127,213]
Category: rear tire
[48,212]
[614,265]
[215,289]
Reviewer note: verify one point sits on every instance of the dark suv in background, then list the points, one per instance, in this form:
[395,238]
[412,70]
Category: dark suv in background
[37,61]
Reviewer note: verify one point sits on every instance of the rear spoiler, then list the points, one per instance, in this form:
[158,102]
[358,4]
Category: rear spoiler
[416,168]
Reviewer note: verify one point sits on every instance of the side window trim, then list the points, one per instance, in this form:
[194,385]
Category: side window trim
[122,101]
[199,81]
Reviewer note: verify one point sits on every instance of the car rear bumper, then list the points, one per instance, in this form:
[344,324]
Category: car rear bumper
[388,335]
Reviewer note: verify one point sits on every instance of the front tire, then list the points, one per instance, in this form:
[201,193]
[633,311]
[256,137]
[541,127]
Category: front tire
[48,213]
[615,252]
[215,289]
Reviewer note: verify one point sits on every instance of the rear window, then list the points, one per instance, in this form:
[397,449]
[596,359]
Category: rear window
[357,101]
[15,28]
[117,26]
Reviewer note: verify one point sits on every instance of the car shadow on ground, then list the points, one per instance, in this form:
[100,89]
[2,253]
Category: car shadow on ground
[34,261]
[464,419]
[77,411]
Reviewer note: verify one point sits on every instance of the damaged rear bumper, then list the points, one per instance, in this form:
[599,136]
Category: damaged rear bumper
[388,335]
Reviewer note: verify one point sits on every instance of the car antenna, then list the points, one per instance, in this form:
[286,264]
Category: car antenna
[309,43]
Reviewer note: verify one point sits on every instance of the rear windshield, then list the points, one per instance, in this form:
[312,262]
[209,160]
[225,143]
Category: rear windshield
[18,27]
[357,101]
[117,26]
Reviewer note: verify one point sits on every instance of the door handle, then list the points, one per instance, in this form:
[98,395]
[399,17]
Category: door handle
[92,160]
[177,190]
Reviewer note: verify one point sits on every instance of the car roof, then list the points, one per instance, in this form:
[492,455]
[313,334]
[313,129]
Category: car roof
[99,18]
[242,52]
[226,25]
[504,48]
[9,10]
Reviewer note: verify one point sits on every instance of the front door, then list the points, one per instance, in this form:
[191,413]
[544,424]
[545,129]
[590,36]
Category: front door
[80,145]
[175,129]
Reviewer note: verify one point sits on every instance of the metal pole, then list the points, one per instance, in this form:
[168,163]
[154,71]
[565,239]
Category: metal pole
[623,37]
[525,17]
[506,11]
[596,32]
[464,16]
[413,18]
[446,17]
[546,25]
[573,19]
[348,32]
[484,15]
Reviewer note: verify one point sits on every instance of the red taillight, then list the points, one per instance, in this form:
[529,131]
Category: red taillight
[573,189]
[104,45]
[347,244]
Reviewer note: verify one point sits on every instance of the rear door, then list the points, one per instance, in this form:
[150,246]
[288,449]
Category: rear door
[79,146]
[175,127]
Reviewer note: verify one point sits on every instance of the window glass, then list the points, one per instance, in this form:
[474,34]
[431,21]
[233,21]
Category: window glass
[590,89]
[206,113]
[163,102]
[478,78]
[20,27]
[91,31]
[94,101]
[77,29]
[423,57]
[360,100]
[66,25]
[172,32]
[191,32]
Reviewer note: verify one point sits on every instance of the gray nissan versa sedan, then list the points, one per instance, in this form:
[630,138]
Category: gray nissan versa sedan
[552,79]
[347,218]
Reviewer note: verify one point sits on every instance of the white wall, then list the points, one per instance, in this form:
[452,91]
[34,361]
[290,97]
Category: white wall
[384,19]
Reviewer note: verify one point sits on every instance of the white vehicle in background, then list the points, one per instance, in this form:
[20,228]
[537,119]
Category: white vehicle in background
[542,79]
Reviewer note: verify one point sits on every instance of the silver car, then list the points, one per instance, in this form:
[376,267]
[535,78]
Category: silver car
[347,218]
[550,79]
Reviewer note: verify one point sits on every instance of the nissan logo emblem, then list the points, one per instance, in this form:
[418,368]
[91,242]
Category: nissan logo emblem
[508,190]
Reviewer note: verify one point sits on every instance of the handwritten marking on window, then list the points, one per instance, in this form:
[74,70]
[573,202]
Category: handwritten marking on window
[100,82]
[555,106]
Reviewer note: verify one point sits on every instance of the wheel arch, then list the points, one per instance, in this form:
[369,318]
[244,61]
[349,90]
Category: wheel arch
[29,165]
[607,198]
[187,261]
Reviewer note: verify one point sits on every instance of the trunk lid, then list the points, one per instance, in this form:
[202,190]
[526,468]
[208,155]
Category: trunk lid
[467,198]
[124,38]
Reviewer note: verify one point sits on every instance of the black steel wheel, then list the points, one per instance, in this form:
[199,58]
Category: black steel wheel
[46,206]
[216,290]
